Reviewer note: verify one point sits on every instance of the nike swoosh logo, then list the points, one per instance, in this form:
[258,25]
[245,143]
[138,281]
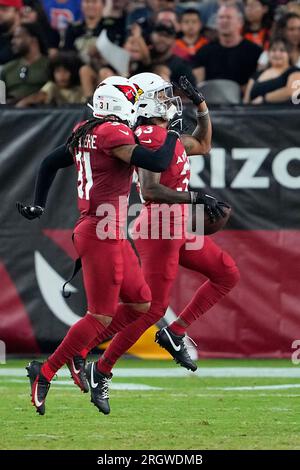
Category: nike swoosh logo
[146,141]
[93,384]
[177,348]
[124,132]
[74,368]
[36,400]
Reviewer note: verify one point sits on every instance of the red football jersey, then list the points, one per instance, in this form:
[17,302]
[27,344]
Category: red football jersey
[176,176]
[102,178]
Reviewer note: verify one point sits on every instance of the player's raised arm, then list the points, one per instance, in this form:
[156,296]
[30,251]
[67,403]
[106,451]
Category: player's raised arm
[142,157]
[58,158]
[199,143]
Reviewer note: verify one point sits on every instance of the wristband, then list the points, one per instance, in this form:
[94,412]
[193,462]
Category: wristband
[201,114]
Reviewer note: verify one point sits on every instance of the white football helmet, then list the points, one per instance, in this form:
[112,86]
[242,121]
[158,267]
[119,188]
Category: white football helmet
[156,97]
[116,96]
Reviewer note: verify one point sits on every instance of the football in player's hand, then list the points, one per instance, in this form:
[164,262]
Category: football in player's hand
[213,227]
[210,226]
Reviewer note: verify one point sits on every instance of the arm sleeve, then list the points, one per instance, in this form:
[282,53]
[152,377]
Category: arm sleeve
[59,158]
[155,160]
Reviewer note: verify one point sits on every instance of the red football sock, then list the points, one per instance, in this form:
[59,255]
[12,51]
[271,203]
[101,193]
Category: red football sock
[78,336]
[177,329]
[127,337]
[206,297]
[47,372]
[124,315]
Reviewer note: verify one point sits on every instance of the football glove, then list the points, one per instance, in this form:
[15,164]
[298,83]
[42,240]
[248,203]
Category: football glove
[213,207]
[29,212]
[176,125]
[190,91]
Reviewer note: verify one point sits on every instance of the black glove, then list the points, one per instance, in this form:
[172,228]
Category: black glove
[175,125]
[173,131]
[190,91]
[29,212]
[213,207]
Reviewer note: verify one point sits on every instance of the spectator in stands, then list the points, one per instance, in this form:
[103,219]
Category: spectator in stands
[191,40]
[210,29]
[168,16]
[149,10]
[9,20]
[162,70]
[287,26]
[110,16]
[81,36]
[106,71]
[61,13]
[162,42]
[97,15]
[293,7]
[33,12]
[63,87]
[115,20]
[163,4]
[146,15]
[209,8]
[258,22]
[140,58]
[275,84]
[231,57]
[90,77]
[30,71]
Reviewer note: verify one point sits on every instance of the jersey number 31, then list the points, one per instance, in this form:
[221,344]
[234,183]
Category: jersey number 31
[85,177]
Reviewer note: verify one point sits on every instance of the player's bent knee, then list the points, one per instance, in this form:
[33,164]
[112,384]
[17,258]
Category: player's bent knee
[104,319]
[232,278]
[142,307]
[232,271]
[157,311]
[228,274]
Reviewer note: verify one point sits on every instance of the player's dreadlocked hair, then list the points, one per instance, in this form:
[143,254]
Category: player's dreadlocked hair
[81,133]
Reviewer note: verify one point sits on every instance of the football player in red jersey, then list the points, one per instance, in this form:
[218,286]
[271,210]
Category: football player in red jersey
[160,257]
[105,153]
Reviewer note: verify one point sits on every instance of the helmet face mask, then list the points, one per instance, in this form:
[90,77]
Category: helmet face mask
[172,104]
[156,97]
[117,97]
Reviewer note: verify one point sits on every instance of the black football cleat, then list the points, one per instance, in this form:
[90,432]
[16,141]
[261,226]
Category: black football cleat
[76,366]
[174,344]
[99,384]
[39,386]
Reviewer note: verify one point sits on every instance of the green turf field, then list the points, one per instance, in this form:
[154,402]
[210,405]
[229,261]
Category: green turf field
[227,406]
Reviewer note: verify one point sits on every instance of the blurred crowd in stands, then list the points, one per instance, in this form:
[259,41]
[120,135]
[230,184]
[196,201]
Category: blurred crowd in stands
[55,52]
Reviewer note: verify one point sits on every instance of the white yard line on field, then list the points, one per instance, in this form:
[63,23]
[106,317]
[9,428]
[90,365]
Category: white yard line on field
[256,372]
[257,387]
[113,386]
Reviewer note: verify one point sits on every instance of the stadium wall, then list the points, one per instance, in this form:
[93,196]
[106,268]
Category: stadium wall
[254,165]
